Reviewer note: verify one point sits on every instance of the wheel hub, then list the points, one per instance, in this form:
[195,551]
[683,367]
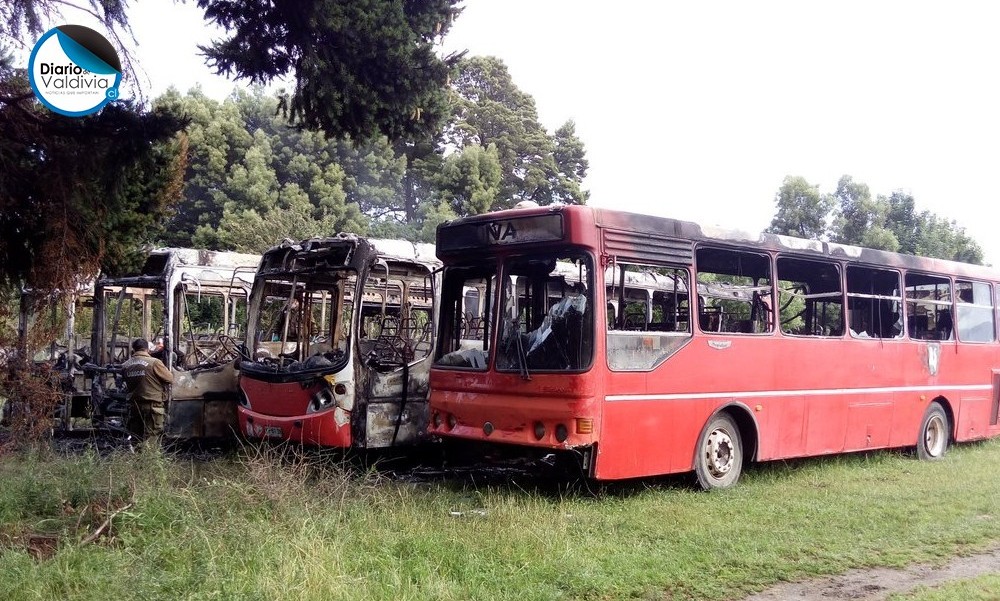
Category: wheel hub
[719,453]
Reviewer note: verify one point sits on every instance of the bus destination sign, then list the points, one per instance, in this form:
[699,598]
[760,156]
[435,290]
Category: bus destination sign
[500,232]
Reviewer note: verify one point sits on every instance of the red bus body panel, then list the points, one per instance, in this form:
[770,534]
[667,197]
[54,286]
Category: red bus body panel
[278,411]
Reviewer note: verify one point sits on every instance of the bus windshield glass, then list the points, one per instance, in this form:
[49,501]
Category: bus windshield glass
[546,318]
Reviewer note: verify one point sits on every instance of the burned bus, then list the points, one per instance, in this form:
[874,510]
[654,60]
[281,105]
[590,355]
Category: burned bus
[191,305]
[53,335]
[340,332]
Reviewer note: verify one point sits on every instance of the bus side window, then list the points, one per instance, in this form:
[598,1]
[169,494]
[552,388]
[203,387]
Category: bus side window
[974,302]
[734,290]
[809,297]
[874,303]
[648,313]
[928,306]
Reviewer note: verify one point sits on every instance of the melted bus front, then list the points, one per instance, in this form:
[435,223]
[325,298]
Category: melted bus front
[339,331]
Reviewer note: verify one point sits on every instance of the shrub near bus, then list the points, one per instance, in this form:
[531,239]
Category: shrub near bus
[641,345]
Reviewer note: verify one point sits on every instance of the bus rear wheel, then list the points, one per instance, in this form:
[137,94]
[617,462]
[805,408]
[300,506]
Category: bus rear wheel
[932,442]
[718,460]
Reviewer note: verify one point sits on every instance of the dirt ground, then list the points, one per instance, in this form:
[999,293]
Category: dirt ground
[877,584]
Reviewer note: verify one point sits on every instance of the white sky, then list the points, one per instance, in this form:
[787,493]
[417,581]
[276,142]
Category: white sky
[698,110]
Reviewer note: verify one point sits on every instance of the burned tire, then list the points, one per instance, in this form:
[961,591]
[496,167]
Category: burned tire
[935,433]
[718,460]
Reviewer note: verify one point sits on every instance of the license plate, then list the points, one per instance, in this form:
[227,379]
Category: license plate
[273,432]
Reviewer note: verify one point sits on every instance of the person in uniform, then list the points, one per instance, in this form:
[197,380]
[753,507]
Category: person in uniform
[147,379]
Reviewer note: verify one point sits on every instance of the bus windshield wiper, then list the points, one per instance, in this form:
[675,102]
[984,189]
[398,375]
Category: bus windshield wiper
[522,357]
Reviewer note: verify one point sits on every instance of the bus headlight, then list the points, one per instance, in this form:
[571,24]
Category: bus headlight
[323,399]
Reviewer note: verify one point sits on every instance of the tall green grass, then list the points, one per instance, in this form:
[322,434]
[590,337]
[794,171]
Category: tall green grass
[260,526]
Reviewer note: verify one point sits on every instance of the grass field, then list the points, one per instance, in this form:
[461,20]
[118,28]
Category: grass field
[253,526]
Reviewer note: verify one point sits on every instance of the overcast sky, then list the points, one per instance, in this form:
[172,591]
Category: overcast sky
[698,110]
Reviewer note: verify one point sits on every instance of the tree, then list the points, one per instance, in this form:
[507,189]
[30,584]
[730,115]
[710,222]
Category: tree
[489,109]
[78,194]
[861,220]
[886,222]
[469,181]
[801,210]
[571,166]
[362,68]
[253,179]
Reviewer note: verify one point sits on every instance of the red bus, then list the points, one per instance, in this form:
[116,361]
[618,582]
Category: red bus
[644,345]
[340,334]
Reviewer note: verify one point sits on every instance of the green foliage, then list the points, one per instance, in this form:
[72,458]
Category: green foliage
[253,180]
[264,526]
[490,110]
[362,68]
[78,194]
[29,18]
[802,210]
[886,222]
[860,219]
[470,180]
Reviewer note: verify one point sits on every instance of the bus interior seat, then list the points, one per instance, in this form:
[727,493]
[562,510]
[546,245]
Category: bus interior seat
[710,319]
[635,323]
[918,326]
[943,327]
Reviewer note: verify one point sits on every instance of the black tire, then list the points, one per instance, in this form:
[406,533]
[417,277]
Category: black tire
[935,433]
[718,458]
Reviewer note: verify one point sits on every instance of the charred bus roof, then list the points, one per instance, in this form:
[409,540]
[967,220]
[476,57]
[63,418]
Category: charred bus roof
[161,262]
[343,251]
[645,237]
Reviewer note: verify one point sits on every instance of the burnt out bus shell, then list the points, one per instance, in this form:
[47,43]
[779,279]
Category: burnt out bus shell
[64,318]
[194,302]
[355,374]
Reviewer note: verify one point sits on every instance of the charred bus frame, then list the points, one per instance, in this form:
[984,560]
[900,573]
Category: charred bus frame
[341,331]
[194,302]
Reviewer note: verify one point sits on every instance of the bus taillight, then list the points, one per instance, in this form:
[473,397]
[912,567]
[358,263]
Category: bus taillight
[584,425]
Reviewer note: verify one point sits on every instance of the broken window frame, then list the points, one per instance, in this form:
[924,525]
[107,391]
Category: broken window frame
[966,310]
[874,303]
[644,348]
[928,299]
[735,288]
[465,340]
[828,321]
[543,313]
[300,338]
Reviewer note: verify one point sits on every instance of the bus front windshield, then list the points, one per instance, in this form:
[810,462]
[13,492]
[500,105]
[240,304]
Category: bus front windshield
[544,315]
[302,324]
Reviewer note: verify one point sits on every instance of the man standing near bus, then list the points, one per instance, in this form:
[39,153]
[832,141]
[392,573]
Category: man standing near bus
[147,379]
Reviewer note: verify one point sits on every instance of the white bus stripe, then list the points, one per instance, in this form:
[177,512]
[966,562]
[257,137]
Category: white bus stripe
[784,393]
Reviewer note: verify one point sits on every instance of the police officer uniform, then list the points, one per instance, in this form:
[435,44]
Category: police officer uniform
[146,378]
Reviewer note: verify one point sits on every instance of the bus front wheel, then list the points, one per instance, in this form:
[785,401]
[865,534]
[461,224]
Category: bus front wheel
[932,442]
[718,458]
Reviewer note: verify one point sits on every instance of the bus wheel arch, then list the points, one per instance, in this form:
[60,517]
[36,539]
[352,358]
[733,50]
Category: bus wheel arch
[724,445]
[935,435]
